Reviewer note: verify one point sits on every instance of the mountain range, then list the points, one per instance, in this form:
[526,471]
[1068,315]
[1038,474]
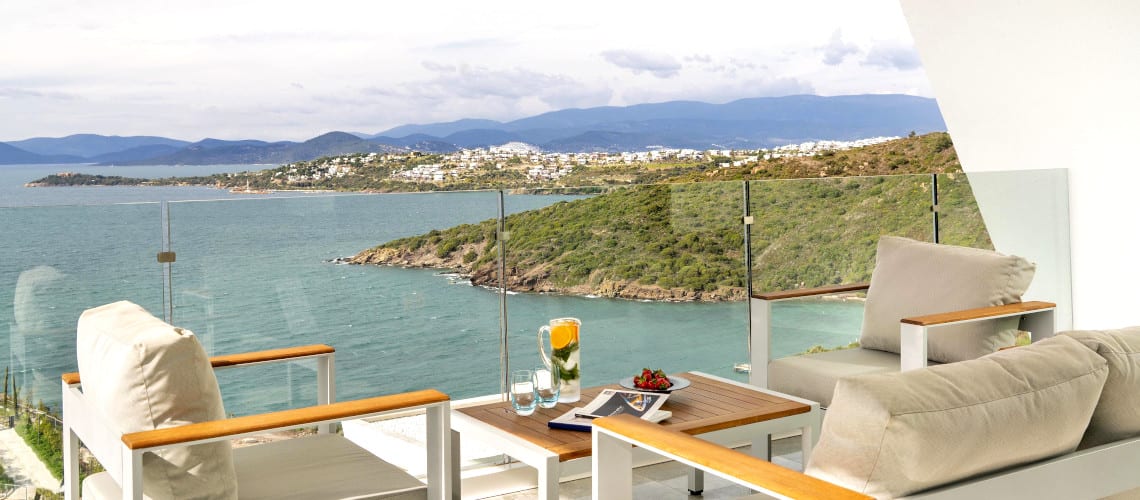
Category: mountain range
[742,124]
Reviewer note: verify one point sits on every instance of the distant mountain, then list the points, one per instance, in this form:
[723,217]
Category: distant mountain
[214,151]
[439,129]
[745,123]
[11,155]
[481,138]
[91,145]
[417,142]
[135,154]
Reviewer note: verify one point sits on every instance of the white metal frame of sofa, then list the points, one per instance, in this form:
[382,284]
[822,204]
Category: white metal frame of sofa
[121,454]
[1036,317]
[1093,473]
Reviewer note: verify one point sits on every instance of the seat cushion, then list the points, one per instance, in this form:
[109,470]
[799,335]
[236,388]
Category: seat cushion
[1117,414]
[813,376]
[325,466]
[143,374]
[913,278]
[890,435]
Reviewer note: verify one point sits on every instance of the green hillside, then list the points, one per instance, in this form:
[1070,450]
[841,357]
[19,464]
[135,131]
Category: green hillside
[685,241]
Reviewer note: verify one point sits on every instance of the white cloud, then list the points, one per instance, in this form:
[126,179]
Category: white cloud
[893,56]
[659,65]
[270,70]
[837,49]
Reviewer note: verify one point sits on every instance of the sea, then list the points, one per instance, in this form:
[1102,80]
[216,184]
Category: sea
[263,271]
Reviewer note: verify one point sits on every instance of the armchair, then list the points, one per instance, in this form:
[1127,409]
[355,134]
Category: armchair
[926,304]
[146,404]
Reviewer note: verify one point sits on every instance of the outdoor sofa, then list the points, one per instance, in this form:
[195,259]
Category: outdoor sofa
[1059,418]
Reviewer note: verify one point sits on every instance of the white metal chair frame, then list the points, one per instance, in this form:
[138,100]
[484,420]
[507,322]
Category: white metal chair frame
[1036,317]
[121,454]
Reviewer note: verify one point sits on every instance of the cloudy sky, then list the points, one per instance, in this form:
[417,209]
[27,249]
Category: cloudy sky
[273,69]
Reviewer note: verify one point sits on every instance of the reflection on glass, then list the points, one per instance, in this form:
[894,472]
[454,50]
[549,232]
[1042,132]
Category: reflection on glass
[55,263]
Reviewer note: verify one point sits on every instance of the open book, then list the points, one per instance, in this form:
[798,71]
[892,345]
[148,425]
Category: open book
[646,405]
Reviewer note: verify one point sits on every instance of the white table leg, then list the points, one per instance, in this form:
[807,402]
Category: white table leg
[762,446]
[548,475]
[456,481]
[807,441]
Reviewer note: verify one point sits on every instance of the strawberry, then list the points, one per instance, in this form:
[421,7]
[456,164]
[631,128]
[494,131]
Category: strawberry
[652,380]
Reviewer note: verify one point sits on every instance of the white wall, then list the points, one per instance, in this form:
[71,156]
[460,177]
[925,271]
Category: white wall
[1033,84]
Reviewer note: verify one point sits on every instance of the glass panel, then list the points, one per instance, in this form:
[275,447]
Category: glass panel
[270,273]
[655,273]
[816,232]
[1023,212]
[59,261]
[959,220]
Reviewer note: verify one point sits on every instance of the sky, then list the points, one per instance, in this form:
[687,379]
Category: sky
[289,70]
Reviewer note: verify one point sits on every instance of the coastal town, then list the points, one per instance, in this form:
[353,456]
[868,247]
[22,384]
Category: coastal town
[522,160]
[517,165]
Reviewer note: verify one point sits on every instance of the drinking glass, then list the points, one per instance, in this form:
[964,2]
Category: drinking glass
[546,385]
[522,392]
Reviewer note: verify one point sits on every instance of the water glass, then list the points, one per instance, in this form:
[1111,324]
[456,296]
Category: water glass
[522,392]
[546,385]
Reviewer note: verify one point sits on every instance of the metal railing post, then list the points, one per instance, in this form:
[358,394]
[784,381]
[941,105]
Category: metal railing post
[747,220]
[504,354]
[934,208]
[166,258]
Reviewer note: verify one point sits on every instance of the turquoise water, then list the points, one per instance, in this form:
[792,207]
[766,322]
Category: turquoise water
[258,271]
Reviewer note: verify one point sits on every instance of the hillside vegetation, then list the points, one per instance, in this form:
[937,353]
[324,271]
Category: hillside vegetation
[685,240]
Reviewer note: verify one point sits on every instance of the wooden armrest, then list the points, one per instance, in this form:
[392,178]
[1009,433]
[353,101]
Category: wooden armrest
[247,358]
[270,355]
[706,455]
[979,313]
[808,292]
[281,419]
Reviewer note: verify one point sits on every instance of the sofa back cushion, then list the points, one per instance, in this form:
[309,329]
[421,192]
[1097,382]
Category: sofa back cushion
[913,278]
[1117,414]
[143,374]
[890,435]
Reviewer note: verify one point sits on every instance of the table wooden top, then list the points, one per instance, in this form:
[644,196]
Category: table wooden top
[705,406]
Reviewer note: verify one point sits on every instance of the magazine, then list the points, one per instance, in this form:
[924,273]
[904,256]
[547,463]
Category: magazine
[646,405]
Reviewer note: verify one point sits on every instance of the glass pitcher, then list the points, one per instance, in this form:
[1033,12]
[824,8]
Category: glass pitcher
[565,353]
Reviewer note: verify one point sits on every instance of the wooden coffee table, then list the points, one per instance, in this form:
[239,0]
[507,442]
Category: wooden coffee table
[709,405]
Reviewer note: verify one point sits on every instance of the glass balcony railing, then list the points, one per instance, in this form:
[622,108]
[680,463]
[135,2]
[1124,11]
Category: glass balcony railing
[657,273]
[809,233]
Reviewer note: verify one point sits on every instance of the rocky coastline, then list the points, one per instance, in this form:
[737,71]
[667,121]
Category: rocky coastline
[535,279]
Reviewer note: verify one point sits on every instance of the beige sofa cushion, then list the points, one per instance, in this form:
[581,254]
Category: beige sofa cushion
[143,374]
[889,435]
[1117,415]
[913,278]
[813,376]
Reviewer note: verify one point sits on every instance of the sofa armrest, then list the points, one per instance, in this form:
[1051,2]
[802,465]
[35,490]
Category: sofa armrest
[248,358]
[914,331]
[615,436]
[991,312]
[282,420]
[760,324]
[810,292]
